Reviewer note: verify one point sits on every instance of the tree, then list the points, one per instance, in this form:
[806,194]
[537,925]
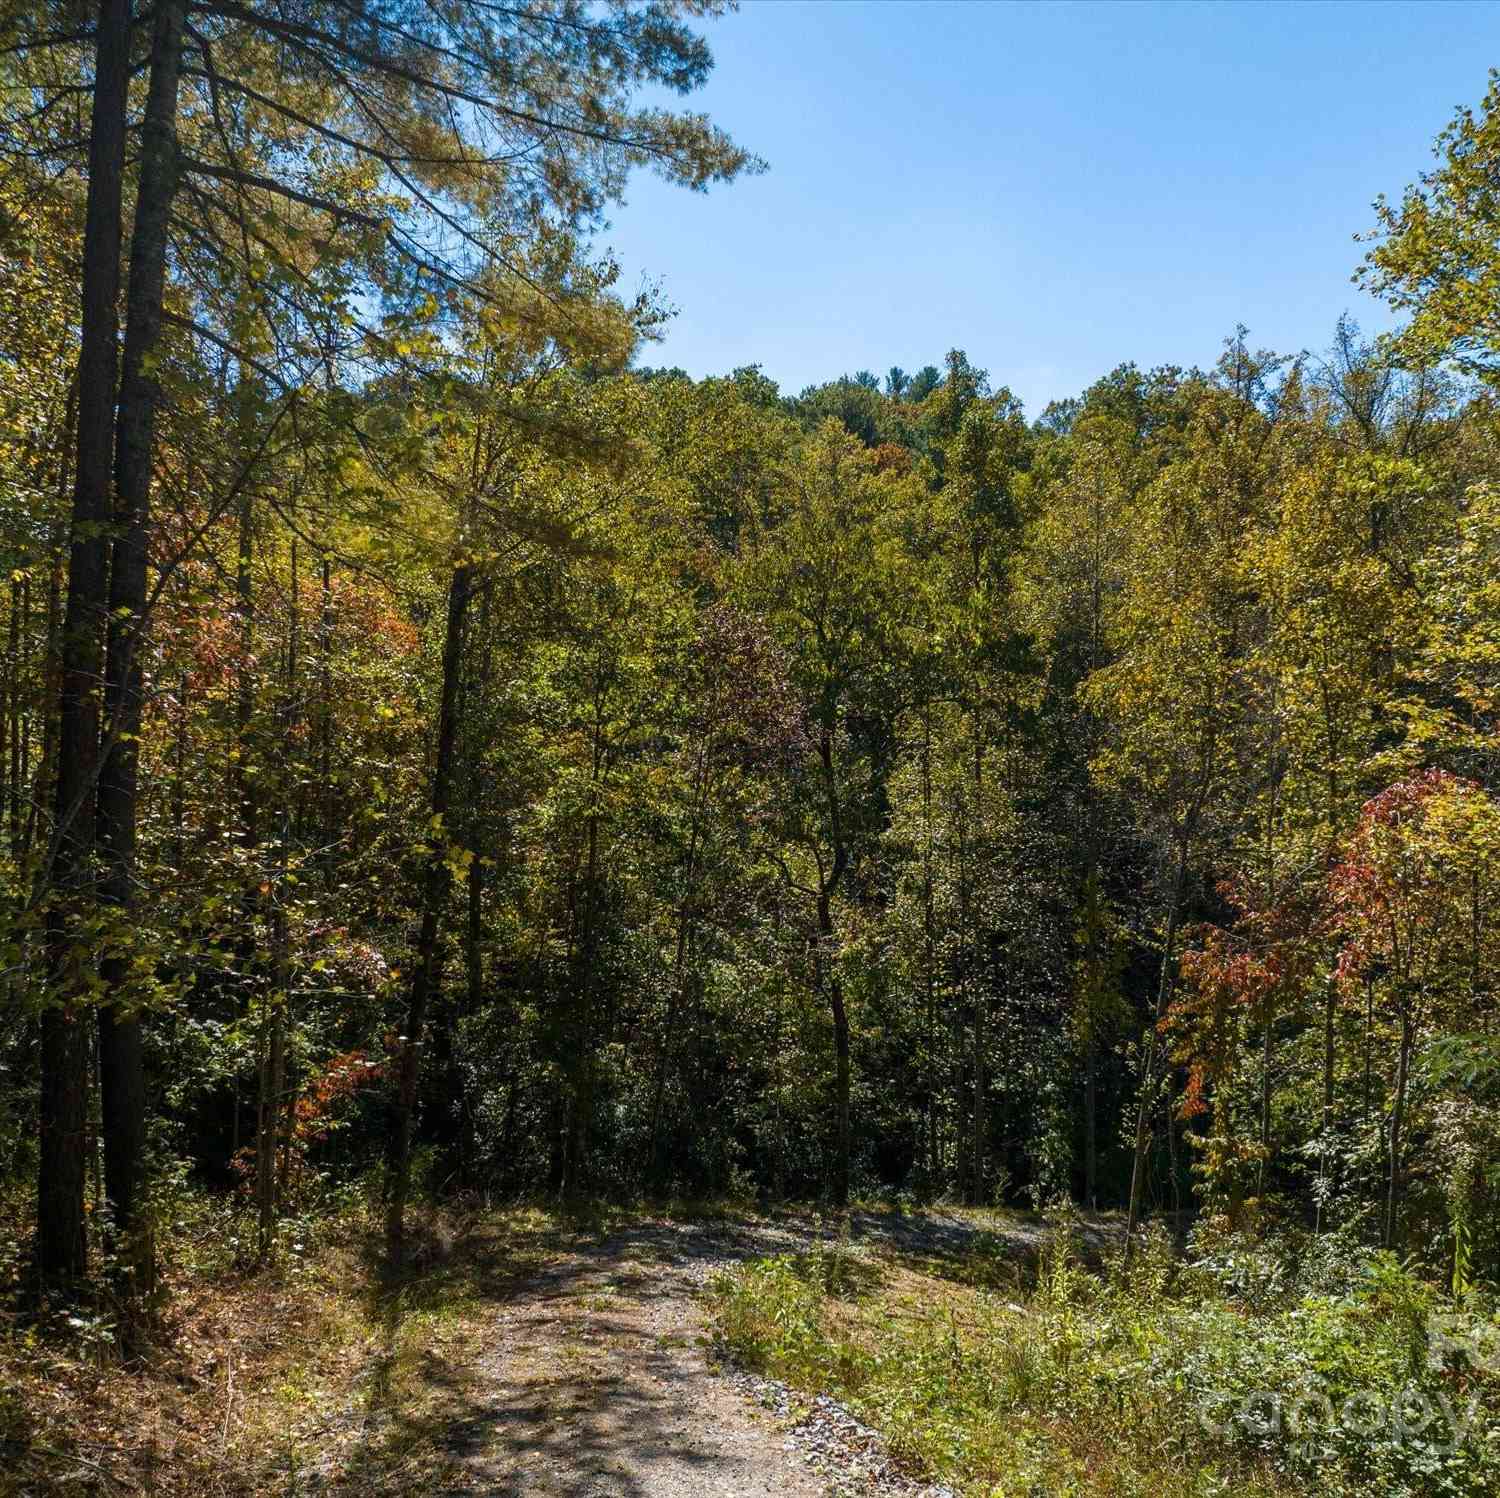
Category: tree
[1176,697]
[1238,978]
[61,1249]
[495,501]
[408,124]
[1414,895]
[836,588]
[1437,251]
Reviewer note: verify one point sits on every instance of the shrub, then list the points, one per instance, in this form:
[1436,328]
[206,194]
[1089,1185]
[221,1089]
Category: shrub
[1246,1366]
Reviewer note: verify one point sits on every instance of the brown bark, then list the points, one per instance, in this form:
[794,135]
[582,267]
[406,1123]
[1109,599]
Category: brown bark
[61,1246]
[122,1069]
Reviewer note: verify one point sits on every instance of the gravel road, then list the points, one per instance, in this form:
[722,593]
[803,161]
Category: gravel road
[597,1384]
[595,1378]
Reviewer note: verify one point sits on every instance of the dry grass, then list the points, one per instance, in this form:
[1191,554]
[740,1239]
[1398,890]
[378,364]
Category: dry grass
[220,1400]
[254,1383]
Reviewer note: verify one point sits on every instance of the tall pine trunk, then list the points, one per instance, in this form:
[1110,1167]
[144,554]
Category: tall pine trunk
[61,1245]
[121,1067]
[271,1084]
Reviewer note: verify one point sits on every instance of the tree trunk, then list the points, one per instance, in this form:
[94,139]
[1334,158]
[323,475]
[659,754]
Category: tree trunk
[179,774]
[1398,1122]
[328,831]
[12,739]
[474,977]
[843,1131]
[61,1247]
[677,997]
[1091,1122]
[434,896]
[1265,1106]
[273,1140]
[843,1125]
[1148,1077]
[244,794]
[979,1147]
[1329,1002]
[929,960]
[23,725]
[44,777]
[581,1065]
[268,1119]
[121,1069]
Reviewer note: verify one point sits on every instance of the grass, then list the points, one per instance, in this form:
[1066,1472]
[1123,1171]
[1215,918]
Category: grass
[321,1370]
[255,1383]
[1162,1378]
[219,1404]
[1000,1373]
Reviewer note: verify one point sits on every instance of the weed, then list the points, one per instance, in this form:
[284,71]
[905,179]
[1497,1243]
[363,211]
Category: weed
[1152,1377]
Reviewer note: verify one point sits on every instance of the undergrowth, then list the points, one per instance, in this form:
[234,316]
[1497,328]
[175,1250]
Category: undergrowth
[317,1370]
[1244,1369]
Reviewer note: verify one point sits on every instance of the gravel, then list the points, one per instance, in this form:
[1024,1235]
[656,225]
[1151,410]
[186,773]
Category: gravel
[596,1380]
[847,1454]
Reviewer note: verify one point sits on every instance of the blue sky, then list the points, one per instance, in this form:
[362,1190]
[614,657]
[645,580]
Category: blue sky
[1054,188]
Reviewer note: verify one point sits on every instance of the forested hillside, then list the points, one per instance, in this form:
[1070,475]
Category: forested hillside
[444,757]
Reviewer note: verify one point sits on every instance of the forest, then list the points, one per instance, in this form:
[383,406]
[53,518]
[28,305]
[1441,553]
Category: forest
[450,764]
